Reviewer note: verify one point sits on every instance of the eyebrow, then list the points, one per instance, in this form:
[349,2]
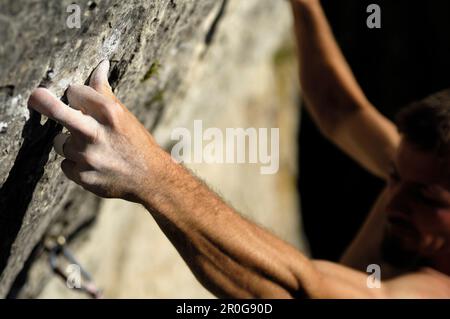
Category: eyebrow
[439,194]
[439,197]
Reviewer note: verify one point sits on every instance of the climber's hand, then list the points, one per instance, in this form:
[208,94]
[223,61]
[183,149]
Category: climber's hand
[109,152]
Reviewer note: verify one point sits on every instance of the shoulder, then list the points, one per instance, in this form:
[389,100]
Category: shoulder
[423,283]
[338,281]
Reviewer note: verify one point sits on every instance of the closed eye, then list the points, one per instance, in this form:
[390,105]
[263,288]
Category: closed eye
[432,201]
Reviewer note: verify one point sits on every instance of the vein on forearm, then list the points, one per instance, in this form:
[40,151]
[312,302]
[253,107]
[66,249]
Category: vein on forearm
[228,254]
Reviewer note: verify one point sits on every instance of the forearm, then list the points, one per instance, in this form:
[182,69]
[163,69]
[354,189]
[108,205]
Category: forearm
[333,96]
[327,81]
[110,153]
[365,247]
[229,255]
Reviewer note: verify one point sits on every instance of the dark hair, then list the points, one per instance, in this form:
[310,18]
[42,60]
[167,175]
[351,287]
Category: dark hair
[426,123]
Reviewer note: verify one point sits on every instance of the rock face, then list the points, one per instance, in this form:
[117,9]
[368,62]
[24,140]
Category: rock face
[162,69]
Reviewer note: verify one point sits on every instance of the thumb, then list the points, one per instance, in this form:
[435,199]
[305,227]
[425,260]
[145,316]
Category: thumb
[99,79]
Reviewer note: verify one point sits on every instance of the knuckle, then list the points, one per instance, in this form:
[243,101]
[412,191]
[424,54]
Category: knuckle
[90,158]
[92,135]
[36,96]
[87,158]
[71,91]
[87,178]
[109,105]
[113,113]
[95,83]
[55,113]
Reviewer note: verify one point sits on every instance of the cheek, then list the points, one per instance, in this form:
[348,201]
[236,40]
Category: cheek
[437,222]
[443,218]
[444,225]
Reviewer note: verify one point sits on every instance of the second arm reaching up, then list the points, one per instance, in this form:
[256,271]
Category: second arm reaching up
[333,96]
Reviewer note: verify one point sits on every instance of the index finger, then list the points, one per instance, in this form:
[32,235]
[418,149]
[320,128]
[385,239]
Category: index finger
[44,102]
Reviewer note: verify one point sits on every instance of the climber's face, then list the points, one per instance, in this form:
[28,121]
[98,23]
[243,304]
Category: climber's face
[418,207]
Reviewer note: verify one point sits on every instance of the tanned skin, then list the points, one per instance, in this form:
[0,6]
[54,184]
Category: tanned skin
[112,155]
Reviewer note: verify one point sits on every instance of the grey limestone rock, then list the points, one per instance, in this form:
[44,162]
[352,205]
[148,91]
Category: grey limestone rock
[157,48]
[150,44]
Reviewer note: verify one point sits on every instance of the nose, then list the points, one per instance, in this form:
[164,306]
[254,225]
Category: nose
[398,203]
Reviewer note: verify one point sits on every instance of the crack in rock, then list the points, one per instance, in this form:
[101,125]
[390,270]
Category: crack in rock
[17,191]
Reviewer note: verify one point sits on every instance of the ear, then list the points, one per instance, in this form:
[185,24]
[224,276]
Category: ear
[99,79]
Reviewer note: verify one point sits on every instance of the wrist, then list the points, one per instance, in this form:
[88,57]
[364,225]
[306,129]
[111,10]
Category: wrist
[157,181]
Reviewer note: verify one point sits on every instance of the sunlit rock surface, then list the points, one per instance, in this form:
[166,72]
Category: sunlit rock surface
[228,63]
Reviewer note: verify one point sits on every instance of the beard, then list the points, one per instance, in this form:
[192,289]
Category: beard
[396,253]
